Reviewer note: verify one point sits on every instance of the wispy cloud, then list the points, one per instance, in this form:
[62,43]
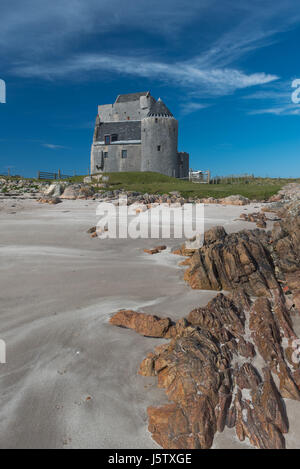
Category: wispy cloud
[276,100]
[253,23]
[58,23]
[188,74]
[258,24]
[288,110]
[189,107]
[68,31]
[51,146]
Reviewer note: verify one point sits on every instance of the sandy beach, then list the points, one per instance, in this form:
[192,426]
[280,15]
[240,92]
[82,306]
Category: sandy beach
[71,378]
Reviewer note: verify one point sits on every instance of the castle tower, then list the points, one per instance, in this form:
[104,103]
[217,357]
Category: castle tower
[159,134]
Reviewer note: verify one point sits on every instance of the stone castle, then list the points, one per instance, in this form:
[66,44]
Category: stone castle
[137,133]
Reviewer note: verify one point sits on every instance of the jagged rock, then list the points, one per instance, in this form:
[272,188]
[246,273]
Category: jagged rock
[246,349]
[219,316]
[155,250]
[70,193]
[286,251]
[169,427]
[259,413]
[206,391]
[77,191]
[54,190]
[286,235]
[266,335]
[265,332]
[207,369]
[174,427]
[183,251]
[217,233]
[259,218]
[238,259]
[147,365]
[86,191]
[144,324]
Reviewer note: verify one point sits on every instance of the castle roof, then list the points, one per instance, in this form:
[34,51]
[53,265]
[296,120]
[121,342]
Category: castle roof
[159,109]
[126,98]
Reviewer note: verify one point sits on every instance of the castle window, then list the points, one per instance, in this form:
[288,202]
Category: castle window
[124,153]
[107,139]
[156,120]
[114,138]
[105,154]
[158,147]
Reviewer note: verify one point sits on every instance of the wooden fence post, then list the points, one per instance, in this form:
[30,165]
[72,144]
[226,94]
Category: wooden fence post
[208,176]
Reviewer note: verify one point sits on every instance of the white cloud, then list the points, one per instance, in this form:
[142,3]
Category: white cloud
[288,110]
[276,100]
[38,30]
[51,146]
[39,26]
[54,40]
[213,81]
[189,107]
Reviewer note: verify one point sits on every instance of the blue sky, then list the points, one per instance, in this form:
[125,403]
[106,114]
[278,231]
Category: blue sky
[224,68]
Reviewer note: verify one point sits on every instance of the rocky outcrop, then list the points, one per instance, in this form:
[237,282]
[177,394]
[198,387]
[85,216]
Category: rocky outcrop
[259,218]
[285,248]
[155,250]
[219,366]
[226,263]
[211,387]
[257,410]
[19,188]
[77,191]
[54,190]
[144,324]
[208,384]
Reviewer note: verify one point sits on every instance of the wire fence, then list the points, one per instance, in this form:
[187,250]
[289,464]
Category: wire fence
[6,173]
[233,179]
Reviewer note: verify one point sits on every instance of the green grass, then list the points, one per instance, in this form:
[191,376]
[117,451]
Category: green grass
[74,179]
[155,183]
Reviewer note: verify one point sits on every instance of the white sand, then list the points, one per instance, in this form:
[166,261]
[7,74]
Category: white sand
[58,289]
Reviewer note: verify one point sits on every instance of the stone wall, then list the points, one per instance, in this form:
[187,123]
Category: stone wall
[159,145]
[132,110]
[114,161]
[183,164]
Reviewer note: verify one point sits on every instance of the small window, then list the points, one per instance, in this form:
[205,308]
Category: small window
[156,120]
[105,154]
[158,147]
[124,153]
[107,139]
[114,138]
